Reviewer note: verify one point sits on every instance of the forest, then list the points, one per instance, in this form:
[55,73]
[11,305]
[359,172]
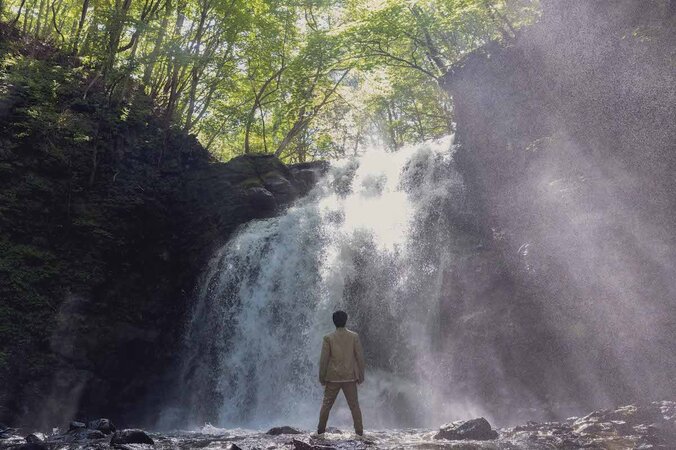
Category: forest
[300,79]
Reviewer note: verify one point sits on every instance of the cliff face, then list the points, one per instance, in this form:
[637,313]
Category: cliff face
[106,220]
[567,146]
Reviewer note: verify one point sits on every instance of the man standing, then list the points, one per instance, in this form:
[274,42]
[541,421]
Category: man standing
[341,366]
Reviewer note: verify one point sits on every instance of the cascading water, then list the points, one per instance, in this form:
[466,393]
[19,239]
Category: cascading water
[371,238]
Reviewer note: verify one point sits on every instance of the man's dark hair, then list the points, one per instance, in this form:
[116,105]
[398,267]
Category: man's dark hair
[339,318]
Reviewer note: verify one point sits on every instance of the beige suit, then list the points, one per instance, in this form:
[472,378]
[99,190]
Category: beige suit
[341,366]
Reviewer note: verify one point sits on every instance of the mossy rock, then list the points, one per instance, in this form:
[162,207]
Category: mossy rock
[251,182]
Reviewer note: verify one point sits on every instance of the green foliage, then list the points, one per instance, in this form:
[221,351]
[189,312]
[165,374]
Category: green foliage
[302,79]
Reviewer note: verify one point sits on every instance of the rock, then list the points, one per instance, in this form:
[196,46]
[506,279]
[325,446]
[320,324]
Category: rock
[300,445]
[475,429]
[307,174]
[233,446]
[276,431]
[5,431]
[261,200]
[33,439]
[333,430]
[103,425]
[31,446]
[281,188]
[78,435]
[76,426]
[131,436]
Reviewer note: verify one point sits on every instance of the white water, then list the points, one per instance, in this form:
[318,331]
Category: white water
[370,239]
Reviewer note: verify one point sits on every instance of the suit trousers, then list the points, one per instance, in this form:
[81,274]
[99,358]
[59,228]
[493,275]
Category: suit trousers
[330,393]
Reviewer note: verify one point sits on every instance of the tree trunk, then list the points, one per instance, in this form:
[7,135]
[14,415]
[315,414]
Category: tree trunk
[38,25]
[18,14]
[297,127]
[159,41]
[116,25]
[80,25]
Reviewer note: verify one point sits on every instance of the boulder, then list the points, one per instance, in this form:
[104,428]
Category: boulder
[276,431]
[31,446]
[77,435]
[281,188]
[5,431]
[103,425]
[261,200]
[300,445]
[131,436]
[234,446]
[475,429]
[76,426]
[33,439]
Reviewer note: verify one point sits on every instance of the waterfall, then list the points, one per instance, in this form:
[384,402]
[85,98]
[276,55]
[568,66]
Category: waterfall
[372,239]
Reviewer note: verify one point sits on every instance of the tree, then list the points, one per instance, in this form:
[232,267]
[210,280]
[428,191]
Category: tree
[300,79]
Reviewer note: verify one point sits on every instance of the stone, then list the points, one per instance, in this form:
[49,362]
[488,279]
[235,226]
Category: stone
[5,431]
[233,446]
[276,431]
[78,435]
[261,200]
[31,446]
[76,426]
[474,429]
[33,439]
[103,425]
[131,436]
[281,188]
[300,445]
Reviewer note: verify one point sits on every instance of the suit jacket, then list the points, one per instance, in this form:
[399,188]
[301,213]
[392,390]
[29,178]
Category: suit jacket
[342,357]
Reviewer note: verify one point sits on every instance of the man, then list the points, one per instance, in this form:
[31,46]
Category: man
[341,366]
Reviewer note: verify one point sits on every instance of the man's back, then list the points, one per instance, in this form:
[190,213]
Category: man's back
[342,357]
[341,367]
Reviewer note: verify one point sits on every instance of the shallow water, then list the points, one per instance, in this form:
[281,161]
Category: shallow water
[380,439]
[648,426]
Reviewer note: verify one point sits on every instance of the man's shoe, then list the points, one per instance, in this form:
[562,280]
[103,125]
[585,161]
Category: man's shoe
[317,435]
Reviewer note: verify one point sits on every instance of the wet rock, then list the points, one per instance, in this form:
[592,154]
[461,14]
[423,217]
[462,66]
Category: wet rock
[646,426]
[31,446]
[261,200]
[103,425]
[281,188]
[276,431]
[234,447]
[131,436]
[307,177]
[5,431]
[77,435]
[475,429]
[300,445]
[76,426]
[33,439]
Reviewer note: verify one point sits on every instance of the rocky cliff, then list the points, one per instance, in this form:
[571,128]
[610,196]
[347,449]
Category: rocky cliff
[567,147]
[106,219]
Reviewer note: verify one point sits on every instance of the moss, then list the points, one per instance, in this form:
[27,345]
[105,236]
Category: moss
[271,174]
[251,182]
[27,267]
